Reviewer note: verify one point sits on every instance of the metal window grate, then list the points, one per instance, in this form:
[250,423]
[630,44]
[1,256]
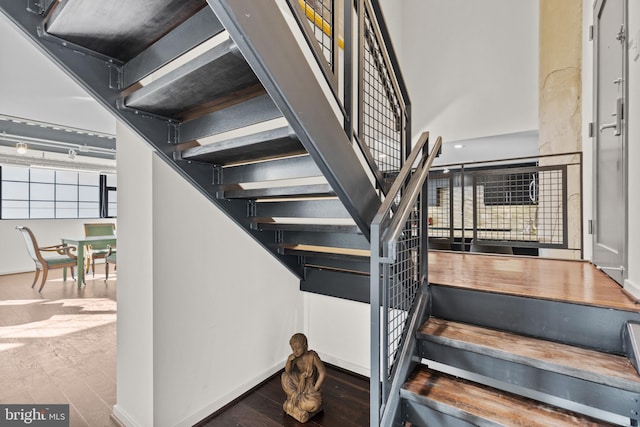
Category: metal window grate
[382,125]
[321,17]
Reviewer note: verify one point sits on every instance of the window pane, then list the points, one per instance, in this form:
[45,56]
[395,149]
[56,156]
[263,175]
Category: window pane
[42,175]
[15,190]
[41,210]
[66,210]
[11,173]
[113,209]
[112,180]
[89,210]
[89,194]
[66,177]
[42,191]
[66,193]
[15,209]
[89,179]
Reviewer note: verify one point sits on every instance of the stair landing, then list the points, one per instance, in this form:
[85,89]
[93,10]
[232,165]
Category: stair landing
[552,279]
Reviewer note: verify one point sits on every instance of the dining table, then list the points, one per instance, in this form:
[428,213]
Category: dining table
[81,243]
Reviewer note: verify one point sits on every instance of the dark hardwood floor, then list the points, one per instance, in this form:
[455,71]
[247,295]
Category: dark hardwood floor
[346,404]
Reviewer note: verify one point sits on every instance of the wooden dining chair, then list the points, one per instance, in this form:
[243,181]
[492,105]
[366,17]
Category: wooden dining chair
[97,250]
[65,256]
[110,259]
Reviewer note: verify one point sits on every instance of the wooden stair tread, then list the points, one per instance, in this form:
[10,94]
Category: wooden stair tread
[550,279]
[474,403]
[590,365]
[328,250]
[267,144]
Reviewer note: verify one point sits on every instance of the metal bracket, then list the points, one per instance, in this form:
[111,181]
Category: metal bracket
[217,175]
[173,134]
[279,236]
[115,77]
[251,209]
[39,7]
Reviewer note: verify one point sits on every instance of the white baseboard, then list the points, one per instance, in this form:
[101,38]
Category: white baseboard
[229,397]
[632,288]
[352,367]
[122,418]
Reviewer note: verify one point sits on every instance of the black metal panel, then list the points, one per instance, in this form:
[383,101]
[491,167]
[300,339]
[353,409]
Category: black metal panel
[264,225]
[258,27]
[607,398]
[255,110]
[113,27]
[336,284]
[421,415]
[581,325]
[338,240]
[216,73]
[321,208]
[316,190]
[262,145]
[195,30]
[287,168]
[631,343]
[361,266]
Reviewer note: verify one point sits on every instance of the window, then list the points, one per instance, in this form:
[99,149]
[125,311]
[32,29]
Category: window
[30,193]
[511,189]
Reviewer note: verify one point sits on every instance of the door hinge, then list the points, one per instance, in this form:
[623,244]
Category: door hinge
[591,130]
[590,32]
[590,226]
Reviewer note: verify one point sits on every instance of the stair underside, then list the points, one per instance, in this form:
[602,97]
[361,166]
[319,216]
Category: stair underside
[480,405]
[264,145]
[113,28]
[612,370]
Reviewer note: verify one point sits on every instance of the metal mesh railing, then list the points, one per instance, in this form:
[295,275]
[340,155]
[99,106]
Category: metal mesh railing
[381,127]
[320,15]
[402,278]
[528,206]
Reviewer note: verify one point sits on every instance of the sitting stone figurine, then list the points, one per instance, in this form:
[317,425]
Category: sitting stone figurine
[302,379]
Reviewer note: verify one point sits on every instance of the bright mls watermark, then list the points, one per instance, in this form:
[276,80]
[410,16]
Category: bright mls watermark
[34,415]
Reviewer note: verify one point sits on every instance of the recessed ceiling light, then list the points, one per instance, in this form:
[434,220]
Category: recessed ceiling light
[458,146]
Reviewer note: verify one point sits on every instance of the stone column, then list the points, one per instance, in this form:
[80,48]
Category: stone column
[560,111]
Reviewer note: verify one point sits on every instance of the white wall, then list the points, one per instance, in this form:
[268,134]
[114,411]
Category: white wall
[204,312]
[633,121]
[471,67]
[33,87]
[134,368]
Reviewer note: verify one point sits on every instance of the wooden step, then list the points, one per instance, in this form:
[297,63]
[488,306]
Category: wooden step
[326,251]
[293,167]
[592,378]
[609,369]
[267,144]
[215,79]
[479,405]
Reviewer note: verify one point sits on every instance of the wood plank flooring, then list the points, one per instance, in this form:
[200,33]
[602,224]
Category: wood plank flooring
[560,280]
[346,404]
[59,346]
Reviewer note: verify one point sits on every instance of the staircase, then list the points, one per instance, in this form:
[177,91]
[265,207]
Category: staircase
[494,353]
[233,105]
[225,93]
